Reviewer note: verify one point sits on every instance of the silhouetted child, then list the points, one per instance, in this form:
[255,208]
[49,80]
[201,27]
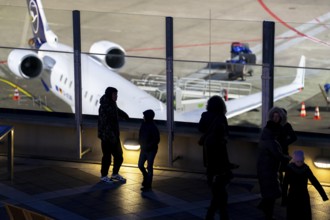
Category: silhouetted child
[149,138]
[295,188]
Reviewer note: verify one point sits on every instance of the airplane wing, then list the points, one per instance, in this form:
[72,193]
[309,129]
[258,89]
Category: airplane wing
[249,102]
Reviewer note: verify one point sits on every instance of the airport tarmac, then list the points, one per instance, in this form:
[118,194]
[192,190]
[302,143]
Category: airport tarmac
[301,29]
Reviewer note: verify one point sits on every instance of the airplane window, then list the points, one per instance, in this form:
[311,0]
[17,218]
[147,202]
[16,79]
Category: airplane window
[96,102]
[70,84]
[61,77]
[66,79]
[91,98]
[85,94]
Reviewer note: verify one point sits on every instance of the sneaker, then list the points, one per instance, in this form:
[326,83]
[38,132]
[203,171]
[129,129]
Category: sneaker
[106,179]
[118,177]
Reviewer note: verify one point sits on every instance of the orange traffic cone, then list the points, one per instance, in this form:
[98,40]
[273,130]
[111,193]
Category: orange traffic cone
[317,113]
[16,95]
[303,110]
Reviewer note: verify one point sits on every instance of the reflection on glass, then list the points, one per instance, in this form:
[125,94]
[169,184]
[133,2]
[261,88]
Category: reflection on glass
[210,58]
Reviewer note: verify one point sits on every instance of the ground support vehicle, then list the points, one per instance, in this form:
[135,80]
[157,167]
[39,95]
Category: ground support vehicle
[240,64]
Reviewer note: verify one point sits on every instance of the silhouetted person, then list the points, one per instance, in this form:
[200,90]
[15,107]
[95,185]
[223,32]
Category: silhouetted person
[295,188]
[268,164]
[214,125]
[149,138]
[286,136]
[108,132]
[327,88]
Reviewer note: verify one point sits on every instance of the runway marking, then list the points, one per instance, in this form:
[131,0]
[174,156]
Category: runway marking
[20,89]
[320,22]
[293,34]
[289,26]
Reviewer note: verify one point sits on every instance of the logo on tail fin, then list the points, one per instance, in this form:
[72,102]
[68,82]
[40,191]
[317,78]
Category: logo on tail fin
[37,28]
[41,32]
[34,13]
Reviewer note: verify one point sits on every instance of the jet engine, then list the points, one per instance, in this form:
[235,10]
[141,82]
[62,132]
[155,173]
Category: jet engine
[25,64]
[110,54]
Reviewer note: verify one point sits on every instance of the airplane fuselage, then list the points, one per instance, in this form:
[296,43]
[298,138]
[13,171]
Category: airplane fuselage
[95,79]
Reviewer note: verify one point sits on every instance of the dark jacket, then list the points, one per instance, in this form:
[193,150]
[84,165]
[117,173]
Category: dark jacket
[295,191]
[149,136]
[109,113]
[287,135]
[269,159]
[215,153]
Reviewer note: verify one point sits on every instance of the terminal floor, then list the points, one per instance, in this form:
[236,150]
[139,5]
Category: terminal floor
[72,191]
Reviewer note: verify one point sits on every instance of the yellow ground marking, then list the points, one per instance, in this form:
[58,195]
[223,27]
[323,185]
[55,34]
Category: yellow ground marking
[20,89]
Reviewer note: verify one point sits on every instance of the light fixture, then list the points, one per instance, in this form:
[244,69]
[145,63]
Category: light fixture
[322,162]
[131,144]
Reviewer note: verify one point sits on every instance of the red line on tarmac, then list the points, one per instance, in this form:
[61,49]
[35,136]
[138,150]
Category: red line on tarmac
[180,46]
[208,44]
[205,44]
[3,61]
[190,45]
[299,34]
[290,27]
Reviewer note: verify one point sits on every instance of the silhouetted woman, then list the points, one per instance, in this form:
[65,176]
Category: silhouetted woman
[268,164]
[286,137]
[214,126]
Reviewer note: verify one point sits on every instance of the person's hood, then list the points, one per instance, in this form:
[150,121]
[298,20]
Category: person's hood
[280,111]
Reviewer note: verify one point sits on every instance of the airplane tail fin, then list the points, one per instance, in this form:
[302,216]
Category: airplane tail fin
[40,29]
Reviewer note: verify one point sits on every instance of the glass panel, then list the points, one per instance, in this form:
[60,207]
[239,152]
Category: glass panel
[220,58]
[138,35]
[205,64]
[307,110]
[38,78]
[124,53]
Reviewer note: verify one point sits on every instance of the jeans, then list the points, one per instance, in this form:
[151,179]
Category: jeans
[109,149]
[147,173]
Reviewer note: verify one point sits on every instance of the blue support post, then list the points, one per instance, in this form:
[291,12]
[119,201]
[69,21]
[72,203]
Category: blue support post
[267,69]
[169,87]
